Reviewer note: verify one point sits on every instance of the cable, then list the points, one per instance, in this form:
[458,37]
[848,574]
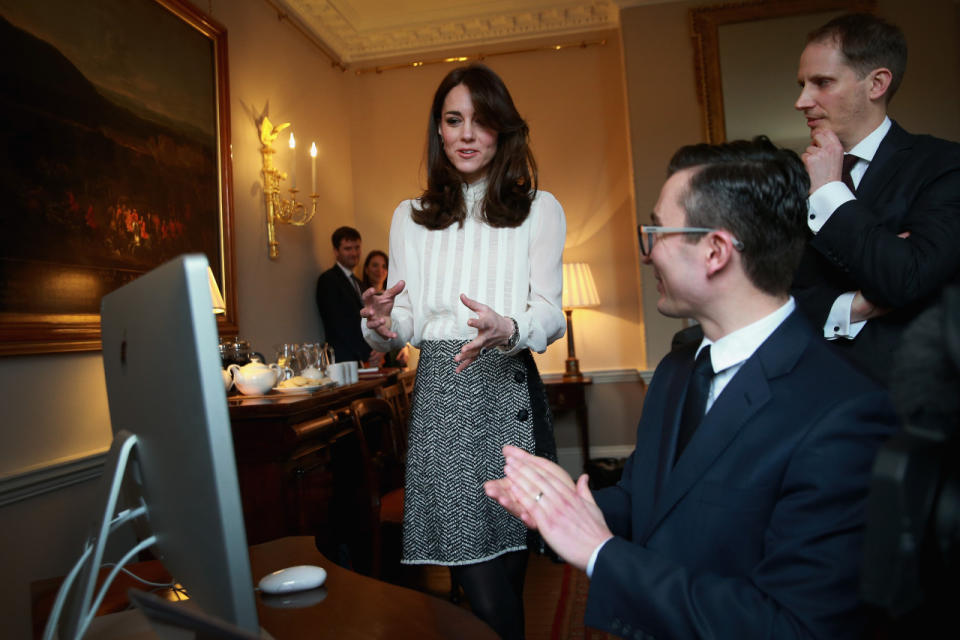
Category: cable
[137,548]
[124,443]
[163,585]
[62,594]
[108,526]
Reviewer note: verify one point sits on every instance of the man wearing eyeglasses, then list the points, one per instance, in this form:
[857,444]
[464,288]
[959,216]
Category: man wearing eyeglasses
[884,209]
[740,513]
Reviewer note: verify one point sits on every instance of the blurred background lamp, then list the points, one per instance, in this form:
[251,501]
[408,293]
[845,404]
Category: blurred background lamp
[219,306]
[579,292]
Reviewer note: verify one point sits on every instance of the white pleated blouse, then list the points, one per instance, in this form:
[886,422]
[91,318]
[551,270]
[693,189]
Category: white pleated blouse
[516,271]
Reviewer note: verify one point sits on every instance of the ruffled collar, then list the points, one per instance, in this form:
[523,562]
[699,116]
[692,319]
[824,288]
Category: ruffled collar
[473,193]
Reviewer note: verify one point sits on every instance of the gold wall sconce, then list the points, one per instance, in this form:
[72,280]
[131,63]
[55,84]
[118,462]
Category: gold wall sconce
[279,209]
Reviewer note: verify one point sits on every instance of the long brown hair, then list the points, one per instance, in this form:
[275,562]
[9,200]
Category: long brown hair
[511,174]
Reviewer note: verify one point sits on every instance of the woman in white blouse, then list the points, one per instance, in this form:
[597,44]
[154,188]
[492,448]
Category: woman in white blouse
[475,283]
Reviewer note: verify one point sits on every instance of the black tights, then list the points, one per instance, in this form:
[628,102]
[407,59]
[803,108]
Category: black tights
[495,591]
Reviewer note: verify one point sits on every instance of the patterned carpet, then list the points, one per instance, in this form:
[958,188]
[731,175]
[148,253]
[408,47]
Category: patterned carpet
[571,602]
[555,598]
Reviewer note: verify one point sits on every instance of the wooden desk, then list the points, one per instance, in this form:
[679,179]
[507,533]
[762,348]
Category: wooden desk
[563,395]
[357,606]
[354,606]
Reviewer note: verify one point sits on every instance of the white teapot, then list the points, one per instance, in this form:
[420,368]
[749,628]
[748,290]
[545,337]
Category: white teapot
[256,378]
[227,380]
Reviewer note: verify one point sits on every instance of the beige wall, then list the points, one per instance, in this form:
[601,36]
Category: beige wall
[272,66]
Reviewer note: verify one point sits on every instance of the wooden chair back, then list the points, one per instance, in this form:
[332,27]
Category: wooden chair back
[385,440]
[407,378]
[397,397]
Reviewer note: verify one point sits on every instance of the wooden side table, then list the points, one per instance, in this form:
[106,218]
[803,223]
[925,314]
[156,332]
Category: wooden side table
[566,395]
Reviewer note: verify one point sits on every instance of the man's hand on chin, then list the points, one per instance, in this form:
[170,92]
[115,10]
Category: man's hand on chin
[823,159]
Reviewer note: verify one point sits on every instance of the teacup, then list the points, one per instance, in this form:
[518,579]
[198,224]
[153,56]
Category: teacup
[353,371]
[344,373]
[338,373]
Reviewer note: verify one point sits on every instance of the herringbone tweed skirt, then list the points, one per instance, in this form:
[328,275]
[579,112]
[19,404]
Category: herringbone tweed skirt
[458,426]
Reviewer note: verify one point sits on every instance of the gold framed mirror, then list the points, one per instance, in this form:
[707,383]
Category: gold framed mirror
[755,27]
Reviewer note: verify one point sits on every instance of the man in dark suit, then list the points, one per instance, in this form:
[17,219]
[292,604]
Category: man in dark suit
[885,229]
[338,299]
[752,526]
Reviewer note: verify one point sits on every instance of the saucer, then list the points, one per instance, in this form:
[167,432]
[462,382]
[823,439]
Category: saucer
[310,388]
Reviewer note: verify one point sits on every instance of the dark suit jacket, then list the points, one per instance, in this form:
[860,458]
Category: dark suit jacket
[339,307]
[757,530]
[912,184]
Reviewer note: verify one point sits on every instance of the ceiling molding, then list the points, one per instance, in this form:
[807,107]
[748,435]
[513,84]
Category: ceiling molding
[365,31]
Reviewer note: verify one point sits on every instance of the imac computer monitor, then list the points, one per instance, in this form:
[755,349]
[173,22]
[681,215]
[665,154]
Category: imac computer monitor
[164,385]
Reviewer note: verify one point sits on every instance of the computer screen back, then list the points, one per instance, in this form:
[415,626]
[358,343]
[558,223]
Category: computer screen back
[164,384]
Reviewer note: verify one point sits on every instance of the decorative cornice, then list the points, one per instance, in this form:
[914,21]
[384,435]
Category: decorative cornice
[344,32]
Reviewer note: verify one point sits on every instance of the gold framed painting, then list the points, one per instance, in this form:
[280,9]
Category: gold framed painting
[115,115]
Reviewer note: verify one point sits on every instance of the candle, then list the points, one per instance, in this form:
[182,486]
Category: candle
[293,162]
[313,168]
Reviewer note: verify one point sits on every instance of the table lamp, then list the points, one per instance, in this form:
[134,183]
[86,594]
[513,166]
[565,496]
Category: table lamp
[579,292]
[219,306]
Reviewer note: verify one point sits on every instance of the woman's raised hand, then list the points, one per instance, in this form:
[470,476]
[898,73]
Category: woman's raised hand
[492,330]
[377,308]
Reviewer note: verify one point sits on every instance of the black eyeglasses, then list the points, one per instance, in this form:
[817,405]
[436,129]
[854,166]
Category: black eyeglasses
[648,235]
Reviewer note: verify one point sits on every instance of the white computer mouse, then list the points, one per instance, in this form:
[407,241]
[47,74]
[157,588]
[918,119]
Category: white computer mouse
[299,578]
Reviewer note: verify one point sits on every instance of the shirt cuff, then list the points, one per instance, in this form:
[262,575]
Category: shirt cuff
[593,557]
[374,339]
[824,201]
[838,324]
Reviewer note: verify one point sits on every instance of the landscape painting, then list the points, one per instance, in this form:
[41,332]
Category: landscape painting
[114,158]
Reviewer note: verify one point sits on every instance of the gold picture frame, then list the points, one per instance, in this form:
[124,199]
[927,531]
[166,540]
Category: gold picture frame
[704,24]
[121,161]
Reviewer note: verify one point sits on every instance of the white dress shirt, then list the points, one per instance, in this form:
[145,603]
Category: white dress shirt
[517,271]
[727,356]
[822,204]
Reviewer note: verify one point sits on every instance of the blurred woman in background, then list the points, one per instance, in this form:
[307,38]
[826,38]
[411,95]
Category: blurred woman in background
[375,271]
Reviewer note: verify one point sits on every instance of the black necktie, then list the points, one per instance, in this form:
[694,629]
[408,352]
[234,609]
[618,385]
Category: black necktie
[695,404]
[848,161]
[356,284]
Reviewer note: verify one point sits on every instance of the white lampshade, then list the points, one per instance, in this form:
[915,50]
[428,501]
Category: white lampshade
[579,290]
[219,306]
